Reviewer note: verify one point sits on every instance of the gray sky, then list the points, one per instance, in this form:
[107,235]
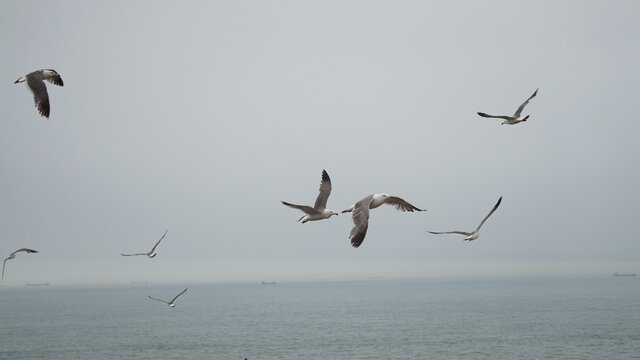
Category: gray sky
[199,117]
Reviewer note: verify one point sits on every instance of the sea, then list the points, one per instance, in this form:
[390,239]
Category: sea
[479,318]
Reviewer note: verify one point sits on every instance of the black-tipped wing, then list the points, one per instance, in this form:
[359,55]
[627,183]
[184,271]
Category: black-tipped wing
[495,116]
[452,232]
[177,296]
[401,204]
[156,245]
[490,212]
[325,191]
[56,80]
[360,217]
[158,300]
[30,251]
[306,209]
[519,111]
[40,95]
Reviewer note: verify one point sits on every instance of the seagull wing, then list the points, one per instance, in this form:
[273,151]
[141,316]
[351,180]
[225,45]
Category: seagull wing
[156,245]
[325,191]
[134,254]
[158,299]
[3,264]
[56,80]
[490,212]
[40,95]
[177,296]
[401,204]
[519,111]
[30,251]
[496,116]
[360,217]
[306,209]
[452,232]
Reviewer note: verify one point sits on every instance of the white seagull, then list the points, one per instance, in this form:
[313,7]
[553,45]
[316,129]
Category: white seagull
[39,89]
[151,254]
[172,302]
[516,118]
[318,211]
[360,214]
[13,255]
[476,233]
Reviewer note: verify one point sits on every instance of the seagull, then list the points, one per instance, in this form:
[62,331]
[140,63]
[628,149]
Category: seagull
[38,88]
[476,233]
[318,211]
[170,303]
[151,254]
[360,214]
[512,120]
[13,256]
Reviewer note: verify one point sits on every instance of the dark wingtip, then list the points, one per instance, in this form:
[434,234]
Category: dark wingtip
[325,176]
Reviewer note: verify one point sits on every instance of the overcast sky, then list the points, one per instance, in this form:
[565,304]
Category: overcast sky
[200,117]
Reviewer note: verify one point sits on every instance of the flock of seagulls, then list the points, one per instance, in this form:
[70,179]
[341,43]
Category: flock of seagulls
[359,211]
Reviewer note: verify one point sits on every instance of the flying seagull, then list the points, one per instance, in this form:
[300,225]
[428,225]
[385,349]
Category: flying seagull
[360,214]
[151,254]
[516,118]
[13,256]
[172,302]
[318,211]
[476,233]
[39,89]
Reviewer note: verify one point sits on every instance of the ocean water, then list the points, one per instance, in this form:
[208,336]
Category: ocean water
[507,318]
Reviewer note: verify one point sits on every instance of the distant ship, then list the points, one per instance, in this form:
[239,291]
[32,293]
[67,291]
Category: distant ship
[41,284]
[617,274]
[268,283]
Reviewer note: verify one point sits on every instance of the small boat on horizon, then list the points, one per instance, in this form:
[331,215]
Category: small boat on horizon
[618,274]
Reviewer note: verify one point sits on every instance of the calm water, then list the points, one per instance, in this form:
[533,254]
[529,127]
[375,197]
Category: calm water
[544,318]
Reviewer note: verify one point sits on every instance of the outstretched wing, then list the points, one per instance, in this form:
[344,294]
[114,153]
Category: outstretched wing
[56,80]
[133,254]
[156,245]
[3,264]
[360,217]
[495,116]
[325,191]
[158,300]
[452,232]
[177,296]
[40,95]
[401,204]
[519,111]
[306,209]
[30,251]
[490,212]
